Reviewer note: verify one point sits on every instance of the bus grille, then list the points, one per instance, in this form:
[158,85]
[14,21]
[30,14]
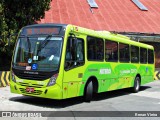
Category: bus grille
[32,85]
[36,92]
[31,76]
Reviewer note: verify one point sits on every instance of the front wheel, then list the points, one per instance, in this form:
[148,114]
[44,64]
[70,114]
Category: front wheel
[136,86]
[88,92]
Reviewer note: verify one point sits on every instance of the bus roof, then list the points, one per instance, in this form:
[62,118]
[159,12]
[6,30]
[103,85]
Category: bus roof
[108,35]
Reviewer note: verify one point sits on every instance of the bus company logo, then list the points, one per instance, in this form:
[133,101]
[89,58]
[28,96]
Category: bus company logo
[28,72]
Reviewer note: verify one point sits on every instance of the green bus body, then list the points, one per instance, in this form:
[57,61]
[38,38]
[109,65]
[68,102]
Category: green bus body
[106,76]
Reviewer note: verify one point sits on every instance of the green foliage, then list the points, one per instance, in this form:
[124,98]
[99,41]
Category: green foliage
[14,14]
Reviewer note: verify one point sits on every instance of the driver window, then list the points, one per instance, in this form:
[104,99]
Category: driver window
[74,53]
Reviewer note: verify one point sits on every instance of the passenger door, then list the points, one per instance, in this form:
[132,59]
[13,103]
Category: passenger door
[73,69]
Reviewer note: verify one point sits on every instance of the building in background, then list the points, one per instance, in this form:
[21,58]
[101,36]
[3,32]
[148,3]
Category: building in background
[138,19]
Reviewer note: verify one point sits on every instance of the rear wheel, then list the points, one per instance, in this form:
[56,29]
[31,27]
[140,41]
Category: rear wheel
[88,91]
[136,86]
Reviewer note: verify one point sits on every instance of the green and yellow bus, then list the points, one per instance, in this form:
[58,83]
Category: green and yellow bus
[60,61]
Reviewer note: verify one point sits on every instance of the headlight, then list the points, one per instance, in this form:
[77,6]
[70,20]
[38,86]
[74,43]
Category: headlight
[52,80]
[13,77]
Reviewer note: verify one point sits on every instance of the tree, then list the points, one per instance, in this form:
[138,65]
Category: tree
[24,12]
[3,27]
[14,14]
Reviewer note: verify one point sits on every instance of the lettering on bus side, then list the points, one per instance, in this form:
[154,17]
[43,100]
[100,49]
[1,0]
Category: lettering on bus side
[128,71]
[125,71]
[105,71]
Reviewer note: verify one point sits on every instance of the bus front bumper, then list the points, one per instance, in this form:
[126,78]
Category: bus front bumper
[53,92]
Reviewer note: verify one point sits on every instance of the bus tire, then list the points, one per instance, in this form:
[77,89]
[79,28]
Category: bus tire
[88,91]
[136,86]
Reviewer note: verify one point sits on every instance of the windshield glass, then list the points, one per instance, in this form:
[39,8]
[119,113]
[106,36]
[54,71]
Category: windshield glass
[38,53]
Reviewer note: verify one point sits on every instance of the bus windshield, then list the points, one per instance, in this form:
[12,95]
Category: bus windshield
[39,53]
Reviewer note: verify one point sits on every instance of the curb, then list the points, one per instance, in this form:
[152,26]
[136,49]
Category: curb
[4,78]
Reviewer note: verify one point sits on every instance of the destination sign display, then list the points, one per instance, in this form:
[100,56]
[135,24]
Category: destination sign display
[41,30]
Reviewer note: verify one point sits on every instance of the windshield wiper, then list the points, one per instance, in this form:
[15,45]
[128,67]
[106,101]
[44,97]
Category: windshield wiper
[44,43]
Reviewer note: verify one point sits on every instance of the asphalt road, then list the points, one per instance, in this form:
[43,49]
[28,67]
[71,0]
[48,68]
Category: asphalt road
[148,99]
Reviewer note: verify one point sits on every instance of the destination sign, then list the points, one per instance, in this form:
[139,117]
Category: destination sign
[41,30]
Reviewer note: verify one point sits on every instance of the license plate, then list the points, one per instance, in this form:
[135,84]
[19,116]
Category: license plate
[30,90]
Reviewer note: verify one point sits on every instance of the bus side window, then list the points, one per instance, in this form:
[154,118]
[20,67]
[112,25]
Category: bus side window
[95,49]
[134,54]
[80,51]
[111,51]
[143,55]
[74,53]
[124,55]
[150,56]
